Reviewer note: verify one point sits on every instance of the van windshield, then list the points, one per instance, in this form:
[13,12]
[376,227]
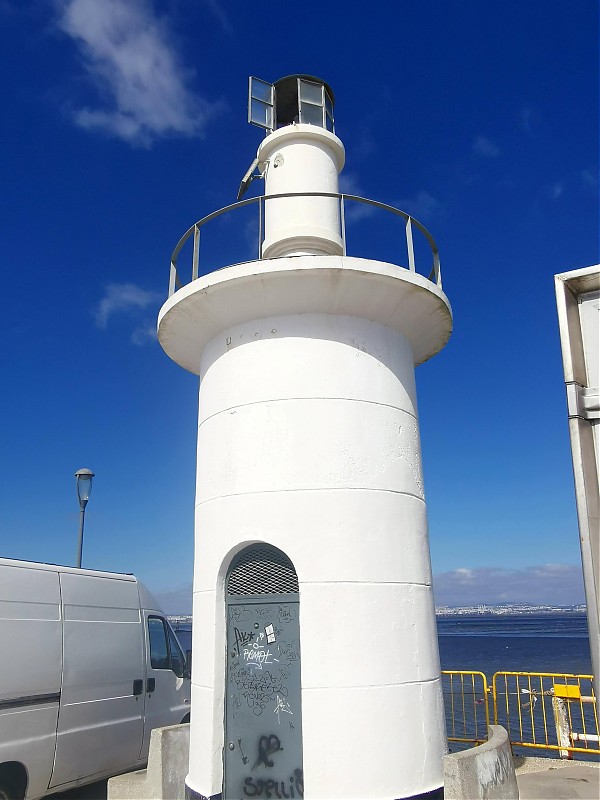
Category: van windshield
[165,650]
[159,649]
[177,657]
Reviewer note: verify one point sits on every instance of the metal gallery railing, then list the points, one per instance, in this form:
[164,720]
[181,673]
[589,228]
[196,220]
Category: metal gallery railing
[431,272]
[546,711]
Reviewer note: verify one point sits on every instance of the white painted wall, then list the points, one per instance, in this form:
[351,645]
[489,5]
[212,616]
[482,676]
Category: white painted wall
[308,440]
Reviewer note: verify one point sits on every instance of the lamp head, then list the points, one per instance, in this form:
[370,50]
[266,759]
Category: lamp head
[84,486]
[294,99]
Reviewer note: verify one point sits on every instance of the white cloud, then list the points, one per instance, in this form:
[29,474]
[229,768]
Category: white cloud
[589,179]
[349,184]
[482,146]
[528,117]
[218,11]
[353,210]
[464,574]
[422,207]
[123,298]
[142,87]
[560,584]
[144,333]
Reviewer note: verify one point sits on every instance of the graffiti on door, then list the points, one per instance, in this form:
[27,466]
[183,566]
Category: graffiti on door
[263,718]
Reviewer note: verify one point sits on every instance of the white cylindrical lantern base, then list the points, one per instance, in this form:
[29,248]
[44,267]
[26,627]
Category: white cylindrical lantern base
[301,158]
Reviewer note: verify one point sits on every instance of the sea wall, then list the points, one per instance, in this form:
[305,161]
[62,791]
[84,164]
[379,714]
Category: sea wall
[482,773]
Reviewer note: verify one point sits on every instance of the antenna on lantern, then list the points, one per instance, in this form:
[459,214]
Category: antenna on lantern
[295,99]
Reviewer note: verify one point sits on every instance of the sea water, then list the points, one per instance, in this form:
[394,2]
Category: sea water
[492,643]
[531,643]
[520,642]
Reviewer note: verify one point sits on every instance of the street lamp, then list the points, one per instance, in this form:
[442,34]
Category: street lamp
[84,489]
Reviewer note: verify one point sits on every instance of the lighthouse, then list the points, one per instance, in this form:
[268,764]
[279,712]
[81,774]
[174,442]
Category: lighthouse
[315,660]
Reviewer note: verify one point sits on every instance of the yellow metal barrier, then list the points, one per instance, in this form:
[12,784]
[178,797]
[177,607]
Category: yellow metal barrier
[466,702]
[547,710]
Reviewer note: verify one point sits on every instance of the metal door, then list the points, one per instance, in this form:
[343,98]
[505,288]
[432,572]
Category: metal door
[263,719]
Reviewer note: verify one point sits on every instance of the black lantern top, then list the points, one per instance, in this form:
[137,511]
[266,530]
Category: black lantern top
[296,98]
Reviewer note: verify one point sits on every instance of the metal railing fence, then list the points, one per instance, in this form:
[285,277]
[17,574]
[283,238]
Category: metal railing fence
[466,704]
[433,273]
[541,710]
[547,710]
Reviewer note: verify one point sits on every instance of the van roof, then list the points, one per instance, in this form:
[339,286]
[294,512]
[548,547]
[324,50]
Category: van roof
[10,562]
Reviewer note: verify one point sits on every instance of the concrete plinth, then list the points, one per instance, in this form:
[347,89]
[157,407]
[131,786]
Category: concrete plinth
[482,773]
[164,778]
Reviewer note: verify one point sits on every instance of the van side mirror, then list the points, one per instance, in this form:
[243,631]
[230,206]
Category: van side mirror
[187,672]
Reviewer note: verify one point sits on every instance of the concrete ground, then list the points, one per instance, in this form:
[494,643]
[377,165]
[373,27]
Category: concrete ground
[538,779]
[553,779]
[93,791]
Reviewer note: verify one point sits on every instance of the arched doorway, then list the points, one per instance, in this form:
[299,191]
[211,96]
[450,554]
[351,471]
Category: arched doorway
[263,715]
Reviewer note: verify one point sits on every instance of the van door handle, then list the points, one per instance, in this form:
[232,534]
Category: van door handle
[138,687]
[151,684]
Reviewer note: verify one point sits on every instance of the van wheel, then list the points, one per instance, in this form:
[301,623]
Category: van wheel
[13,781]
[184,721]
[8,791]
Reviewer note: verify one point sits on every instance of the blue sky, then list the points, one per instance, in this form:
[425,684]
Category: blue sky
[125,121]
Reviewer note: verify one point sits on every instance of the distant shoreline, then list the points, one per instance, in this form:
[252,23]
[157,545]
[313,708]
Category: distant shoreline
[507,610]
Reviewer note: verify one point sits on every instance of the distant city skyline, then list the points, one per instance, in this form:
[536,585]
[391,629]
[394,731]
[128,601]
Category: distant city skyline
[548,584]
[507,609]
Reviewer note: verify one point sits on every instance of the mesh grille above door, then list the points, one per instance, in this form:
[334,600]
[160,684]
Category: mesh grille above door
[262,569]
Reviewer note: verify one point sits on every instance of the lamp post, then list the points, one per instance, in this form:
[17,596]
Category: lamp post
[84,489]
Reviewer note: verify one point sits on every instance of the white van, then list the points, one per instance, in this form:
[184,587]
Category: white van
[88,667]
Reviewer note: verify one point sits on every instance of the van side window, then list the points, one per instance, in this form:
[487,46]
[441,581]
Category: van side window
[159,649]
[177,659]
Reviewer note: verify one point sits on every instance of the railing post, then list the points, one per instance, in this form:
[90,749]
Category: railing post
[343,223]
[409,245]
[196,255]
[563,729]
[260,227]
[172,278]
[437,269]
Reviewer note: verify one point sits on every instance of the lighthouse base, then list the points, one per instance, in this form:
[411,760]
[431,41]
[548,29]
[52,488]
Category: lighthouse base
[436,794]
[190,794]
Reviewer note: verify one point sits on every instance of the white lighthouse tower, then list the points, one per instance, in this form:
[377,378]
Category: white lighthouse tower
[315,659]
